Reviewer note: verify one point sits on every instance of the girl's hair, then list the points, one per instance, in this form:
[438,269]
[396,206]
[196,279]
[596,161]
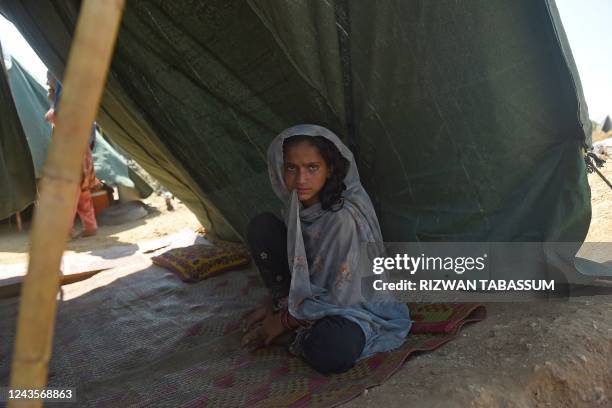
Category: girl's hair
[331,193]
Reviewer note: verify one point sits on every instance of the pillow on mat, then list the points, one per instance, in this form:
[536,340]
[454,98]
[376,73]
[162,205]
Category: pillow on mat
[197,262]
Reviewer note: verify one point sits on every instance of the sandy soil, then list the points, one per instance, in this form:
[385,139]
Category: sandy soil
[601,204]
[14,245]
[556,354]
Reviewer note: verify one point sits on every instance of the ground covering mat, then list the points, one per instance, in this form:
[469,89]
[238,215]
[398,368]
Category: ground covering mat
[137,336]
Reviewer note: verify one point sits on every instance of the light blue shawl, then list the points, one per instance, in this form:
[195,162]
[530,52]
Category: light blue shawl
[329,263]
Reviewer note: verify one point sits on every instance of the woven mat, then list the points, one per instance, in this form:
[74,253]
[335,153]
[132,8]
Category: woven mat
[273,378]
[139,337]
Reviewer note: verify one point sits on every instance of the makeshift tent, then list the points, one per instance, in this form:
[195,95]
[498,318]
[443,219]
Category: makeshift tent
[607,125]
[32,104]
[31,101]
[112,167]
[467,118]
[199,91]
[17,187]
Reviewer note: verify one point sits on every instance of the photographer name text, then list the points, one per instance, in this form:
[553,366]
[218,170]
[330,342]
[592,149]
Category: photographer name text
[468,284]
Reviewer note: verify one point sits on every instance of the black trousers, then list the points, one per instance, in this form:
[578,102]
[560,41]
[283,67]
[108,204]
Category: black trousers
[333,343]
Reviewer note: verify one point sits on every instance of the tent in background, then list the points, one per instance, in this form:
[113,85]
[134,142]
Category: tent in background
[17,186]
[111,166]
[31,102]
[467,118]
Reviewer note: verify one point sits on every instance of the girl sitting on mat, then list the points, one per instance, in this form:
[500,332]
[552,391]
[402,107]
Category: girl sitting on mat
[312,263]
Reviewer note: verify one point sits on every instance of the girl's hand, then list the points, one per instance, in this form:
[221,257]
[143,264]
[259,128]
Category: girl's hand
[263,334]
[254,338]
[259,314]
[272,327]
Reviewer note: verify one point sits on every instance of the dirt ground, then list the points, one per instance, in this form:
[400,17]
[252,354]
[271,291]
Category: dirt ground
[556,354]
[14,245]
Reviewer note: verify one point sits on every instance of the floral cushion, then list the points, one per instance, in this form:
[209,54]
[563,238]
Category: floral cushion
[197,262]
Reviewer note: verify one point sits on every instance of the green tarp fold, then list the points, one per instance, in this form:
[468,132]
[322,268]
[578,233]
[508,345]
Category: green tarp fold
[467,118]
[17,181]
[32,104]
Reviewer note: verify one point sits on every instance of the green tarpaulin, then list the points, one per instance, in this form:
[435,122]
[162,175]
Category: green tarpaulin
[31,101]
[466,117]
[17,182]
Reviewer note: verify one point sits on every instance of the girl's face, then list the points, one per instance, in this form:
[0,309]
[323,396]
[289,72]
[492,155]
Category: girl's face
[305,171]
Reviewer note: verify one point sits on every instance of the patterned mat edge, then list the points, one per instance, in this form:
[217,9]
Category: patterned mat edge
[471,313]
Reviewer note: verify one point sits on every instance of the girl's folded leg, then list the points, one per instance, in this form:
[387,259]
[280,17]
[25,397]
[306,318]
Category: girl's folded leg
[332,345]
[267,240]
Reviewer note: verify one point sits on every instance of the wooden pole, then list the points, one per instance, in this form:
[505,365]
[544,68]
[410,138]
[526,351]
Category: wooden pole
[86,72]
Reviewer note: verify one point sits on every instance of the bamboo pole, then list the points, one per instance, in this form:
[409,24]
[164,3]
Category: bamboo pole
[84,80]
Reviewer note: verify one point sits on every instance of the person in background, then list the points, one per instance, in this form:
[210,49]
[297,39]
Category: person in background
[83,203]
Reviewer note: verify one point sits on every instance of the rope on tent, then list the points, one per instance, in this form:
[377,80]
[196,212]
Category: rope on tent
[593,162]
